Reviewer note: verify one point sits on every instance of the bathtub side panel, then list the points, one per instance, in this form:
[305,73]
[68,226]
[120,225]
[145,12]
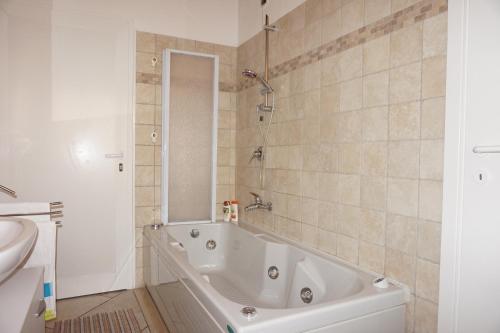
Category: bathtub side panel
[387,321]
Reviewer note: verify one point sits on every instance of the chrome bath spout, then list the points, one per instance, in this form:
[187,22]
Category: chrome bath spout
[258,204]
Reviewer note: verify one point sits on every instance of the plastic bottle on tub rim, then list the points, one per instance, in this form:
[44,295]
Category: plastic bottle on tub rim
[234,210]
[226,210]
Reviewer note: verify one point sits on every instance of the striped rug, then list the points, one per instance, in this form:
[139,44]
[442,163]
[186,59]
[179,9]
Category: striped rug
[120,321]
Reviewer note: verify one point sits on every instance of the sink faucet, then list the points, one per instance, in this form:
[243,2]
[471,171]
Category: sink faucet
[258,204]
[8,191]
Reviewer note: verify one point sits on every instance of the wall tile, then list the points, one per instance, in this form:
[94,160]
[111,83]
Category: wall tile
[434,77]
[376,89]
[402,233]
[348,220]
[425,316]
[310,235]
[144,196]
[406,45]
[351,95]
[145,93]
[374,159]
[144,175]
[328,187]
[145,114]
[350,63]
[375,124]
[372,226]
[347,248]
[404,121]
[429,241]
[405,83]
[331,27]
[402,197]
[376,9]
[398,5]
[144,155]
[371,257]
[327,241]
[431,194]
[145,42]
[431,159]
[376,54]
[434,36]
[373,192]
[327,216]
[349,158]
[404,159]
[353,14]
[401,267]
[349,189]
[433,114]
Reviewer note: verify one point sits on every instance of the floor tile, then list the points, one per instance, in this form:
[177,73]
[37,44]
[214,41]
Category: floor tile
[155,323]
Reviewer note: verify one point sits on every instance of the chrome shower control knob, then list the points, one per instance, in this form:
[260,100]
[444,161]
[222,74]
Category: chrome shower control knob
[306,295]
[273,272]
[195,233]
[211,244]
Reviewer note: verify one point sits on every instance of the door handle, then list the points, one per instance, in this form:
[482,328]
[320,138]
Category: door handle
[41,309]
[116,155]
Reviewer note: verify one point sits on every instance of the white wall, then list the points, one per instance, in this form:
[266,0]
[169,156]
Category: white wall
[4,61]
[214,21]
[251,15]
[470,269]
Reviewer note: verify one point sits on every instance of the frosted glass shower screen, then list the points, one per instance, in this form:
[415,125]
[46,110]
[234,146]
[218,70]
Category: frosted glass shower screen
[189,144]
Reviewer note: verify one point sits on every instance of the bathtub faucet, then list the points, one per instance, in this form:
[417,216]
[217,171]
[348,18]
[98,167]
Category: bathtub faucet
[258,204]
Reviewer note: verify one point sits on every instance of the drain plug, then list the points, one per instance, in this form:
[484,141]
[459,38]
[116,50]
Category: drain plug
[211,244]
[306,295]
[273,272]
[249,312]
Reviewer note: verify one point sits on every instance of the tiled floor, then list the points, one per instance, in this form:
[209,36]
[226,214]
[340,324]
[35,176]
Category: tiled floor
[138,299]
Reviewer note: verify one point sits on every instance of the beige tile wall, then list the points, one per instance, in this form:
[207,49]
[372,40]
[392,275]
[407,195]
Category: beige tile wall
[148,119]
[355,158]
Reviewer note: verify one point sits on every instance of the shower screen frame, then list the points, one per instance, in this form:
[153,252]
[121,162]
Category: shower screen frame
[165,134]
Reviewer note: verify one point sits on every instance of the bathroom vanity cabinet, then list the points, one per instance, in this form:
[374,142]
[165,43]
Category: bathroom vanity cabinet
[21,302]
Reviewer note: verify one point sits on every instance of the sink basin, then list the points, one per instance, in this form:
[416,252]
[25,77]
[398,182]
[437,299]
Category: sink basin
[17,238]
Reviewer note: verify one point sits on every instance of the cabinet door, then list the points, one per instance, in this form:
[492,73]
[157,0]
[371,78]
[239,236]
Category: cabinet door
[35,321]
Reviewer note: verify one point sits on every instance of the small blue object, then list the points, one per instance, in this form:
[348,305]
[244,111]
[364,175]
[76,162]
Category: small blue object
[230,329]
[47,289]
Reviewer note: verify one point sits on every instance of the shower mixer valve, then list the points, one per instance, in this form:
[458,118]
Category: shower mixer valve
[257,154]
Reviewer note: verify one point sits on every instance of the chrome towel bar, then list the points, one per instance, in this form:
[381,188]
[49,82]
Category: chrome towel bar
[8,191]
[55,212]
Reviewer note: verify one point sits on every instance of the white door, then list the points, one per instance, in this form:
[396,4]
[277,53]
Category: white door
[70,108]
[470,269]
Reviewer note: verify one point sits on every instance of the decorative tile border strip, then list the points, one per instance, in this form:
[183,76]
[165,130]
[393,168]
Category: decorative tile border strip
[396,21]
[147,78]
[150,78]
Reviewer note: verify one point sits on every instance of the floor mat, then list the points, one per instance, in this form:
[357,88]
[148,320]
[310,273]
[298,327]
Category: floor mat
[120,321]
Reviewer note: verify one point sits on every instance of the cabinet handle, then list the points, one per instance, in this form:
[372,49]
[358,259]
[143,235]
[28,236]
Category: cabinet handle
[41,309]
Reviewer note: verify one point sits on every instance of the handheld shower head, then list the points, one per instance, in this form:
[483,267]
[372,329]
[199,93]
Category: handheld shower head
[253,75]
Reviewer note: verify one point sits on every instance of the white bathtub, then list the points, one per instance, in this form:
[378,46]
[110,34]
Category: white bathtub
[204,290]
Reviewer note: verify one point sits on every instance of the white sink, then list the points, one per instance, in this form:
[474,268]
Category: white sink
[17,238]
